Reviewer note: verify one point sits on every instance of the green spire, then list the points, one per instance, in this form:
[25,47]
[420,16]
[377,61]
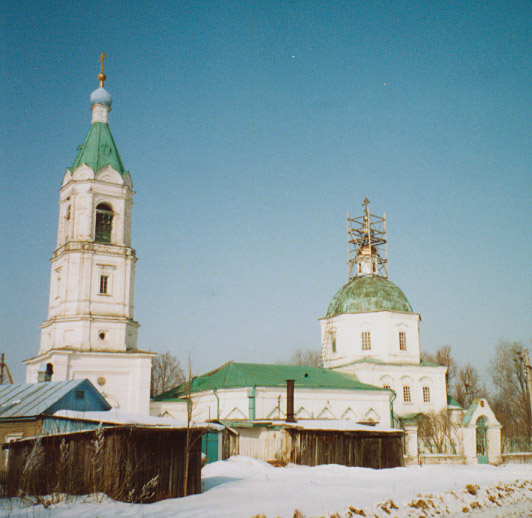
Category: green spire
[99,150]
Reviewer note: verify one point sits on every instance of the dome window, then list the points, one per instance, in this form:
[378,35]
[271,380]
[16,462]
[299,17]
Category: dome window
[402,341]
[366,340]
[104,223]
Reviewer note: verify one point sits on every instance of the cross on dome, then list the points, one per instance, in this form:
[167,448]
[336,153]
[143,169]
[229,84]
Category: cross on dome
[101,76]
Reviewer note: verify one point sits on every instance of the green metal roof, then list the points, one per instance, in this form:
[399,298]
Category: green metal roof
[452,402]
[99,150]
[363,294]
[234,375]
[410,418]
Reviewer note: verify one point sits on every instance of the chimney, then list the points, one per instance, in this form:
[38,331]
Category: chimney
[290,418]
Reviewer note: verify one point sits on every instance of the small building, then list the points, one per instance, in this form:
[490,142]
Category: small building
[27,408]
[312,442]
[481,434]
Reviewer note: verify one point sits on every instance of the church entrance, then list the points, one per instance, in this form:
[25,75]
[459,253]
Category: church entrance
[482,441]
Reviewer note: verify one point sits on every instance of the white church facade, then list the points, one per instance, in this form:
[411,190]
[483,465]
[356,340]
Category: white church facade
[370,336]
[371,331]
[90,331]
[371,373]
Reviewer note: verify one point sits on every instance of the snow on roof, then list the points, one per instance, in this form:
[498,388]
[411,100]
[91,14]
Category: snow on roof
[334,425]
[118,416]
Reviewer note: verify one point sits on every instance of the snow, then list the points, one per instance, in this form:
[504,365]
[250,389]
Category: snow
[333,424]
[242,487]
[118,416]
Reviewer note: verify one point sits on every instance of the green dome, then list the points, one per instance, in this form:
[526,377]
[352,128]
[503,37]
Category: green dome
[363,294]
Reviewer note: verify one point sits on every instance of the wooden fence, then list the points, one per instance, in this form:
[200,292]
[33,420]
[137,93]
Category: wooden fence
[128,463]
[362,449]
[516,444]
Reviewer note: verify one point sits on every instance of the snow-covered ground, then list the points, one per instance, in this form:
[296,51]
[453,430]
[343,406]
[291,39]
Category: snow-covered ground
[242,487]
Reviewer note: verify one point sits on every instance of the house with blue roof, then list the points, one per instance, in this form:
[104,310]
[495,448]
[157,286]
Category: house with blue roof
[27,408]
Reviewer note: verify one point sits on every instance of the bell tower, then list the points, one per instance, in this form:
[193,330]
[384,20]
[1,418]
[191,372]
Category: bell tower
[90,330]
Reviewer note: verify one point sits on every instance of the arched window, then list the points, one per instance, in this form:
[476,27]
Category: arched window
[366,340]
[49,372]
[402,341]
[104,222]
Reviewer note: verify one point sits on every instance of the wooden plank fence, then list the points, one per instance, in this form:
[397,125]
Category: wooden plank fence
[128,463]
[362,449]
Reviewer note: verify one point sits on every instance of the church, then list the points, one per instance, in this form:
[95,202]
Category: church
[371,374]
[91,331]
[370,337]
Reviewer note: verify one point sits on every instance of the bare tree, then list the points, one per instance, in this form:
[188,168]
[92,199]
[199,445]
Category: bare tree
[511,402]
[437,432]
[192,436]
[468,386]
[443,357]
[166,373]
[306,358]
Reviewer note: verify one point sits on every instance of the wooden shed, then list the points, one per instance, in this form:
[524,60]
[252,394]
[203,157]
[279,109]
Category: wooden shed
[367,449]
[128,463]
[319,441]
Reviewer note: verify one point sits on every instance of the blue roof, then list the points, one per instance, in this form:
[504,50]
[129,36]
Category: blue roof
[34,399]
[101,96]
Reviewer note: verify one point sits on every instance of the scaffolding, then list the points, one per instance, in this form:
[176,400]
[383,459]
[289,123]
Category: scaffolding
[367,251]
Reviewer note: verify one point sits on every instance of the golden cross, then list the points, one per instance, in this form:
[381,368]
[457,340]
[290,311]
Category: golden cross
[102,57]
[366,214]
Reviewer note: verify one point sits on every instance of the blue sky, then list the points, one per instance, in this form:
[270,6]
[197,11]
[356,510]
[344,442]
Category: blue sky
[250,129]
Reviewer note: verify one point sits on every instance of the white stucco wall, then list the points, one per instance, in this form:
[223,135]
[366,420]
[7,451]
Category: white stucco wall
[397,376]
[122,378]
[270,403]
[89,334]
[79,316]
[384,328]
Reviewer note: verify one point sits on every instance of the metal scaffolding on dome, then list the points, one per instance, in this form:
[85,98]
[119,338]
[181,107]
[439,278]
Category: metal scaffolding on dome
[367,252]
